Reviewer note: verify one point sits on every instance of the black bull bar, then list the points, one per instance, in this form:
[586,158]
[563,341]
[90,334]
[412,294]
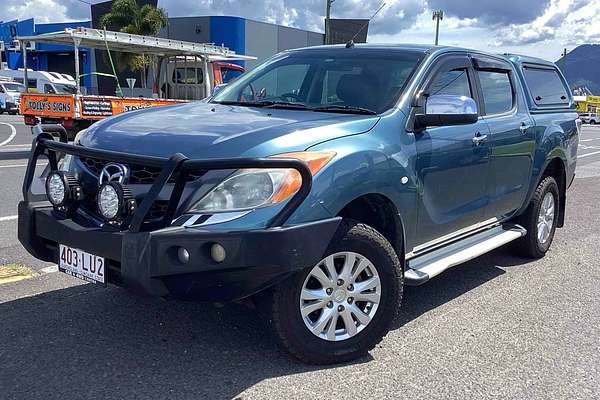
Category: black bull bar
[176,167]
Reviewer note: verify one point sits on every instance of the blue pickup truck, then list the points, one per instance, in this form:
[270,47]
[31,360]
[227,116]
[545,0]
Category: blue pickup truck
[317,185]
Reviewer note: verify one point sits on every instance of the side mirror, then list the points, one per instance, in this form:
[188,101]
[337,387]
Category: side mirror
[441,110]
[218,88]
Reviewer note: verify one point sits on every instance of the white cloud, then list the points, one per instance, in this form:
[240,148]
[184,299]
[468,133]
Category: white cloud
[42,10]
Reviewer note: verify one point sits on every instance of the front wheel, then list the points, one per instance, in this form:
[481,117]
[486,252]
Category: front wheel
[342,307]
[540,220]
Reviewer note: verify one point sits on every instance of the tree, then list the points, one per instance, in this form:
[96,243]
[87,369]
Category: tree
[127,16]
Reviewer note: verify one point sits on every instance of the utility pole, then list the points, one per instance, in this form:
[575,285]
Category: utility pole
[438,15]
[327,20]
[564,61]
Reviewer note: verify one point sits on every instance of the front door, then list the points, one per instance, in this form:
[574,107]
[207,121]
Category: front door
[452,166]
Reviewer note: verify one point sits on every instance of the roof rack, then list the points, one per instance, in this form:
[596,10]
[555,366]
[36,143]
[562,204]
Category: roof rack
[130,43]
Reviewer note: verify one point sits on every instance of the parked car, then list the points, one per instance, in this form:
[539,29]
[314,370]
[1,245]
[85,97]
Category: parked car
[589,118]
[10,96]
[318,185]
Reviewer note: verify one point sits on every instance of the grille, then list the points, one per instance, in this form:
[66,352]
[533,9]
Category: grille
[138,174]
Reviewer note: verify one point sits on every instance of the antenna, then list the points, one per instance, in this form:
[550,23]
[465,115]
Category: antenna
[351,41]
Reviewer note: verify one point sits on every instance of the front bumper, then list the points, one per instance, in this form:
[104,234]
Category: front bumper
[147,262]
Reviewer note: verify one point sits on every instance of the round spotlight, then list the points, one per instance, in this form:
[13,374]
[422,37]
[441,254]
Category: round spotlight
[115,201]
[109,201]
[56,189]
[217,252]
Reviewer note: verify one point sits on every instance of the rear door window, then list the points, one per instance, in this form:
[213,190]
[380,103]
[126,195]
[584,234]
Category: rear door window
[545,86]
[497,91]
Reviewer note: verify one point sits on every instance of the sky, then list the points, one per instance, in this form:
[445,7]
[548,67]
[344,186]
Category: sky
[535,27]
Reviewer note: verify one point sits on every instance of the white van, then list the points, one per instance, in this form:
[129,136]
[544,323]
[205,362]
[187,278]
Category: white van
[10,96]
[43,81]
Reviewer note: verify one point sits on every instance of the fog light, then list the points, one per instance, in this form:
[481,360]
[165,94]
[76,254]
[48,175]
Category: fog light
[217,252]
[183,255]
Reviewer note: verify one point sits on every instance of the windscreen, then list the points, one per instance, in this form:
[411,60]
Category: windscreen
[14,87]
[66,89]
[320,80]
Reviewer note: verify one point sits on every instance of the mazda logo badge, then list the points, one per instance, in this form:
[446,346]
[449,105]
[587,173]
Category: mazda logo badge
[113,172]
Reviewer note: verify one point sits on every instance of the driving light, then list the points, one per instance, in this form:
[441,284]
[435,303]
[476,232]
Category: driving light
[56,189]
[253,188]
[62,189]
[115,201]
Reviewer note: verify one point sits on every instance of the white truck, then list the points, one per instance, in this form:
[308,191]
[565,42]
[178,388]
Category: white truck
[42,81]
[10,96]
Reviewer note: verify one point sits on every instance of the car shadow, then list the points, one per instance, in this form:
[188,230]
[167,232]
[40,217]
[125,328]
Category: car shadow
[89,342]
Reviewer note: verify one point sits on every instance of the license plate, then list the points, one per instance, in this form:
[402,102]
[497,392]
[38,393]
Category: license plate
[81,265]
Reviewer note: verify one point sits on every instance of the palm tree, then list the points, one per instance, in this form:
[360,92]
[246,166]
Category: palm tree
[127,16]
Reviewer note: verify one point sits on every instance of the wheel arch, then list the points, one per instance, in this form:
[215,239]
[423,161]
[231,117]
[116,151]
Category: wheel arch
[556,168]
[378,211]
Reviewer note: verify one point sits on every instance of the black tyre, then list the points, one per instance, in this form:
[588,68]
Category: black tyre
[540,220]
[12,112]
[341,308]
[592,122]
[1,111]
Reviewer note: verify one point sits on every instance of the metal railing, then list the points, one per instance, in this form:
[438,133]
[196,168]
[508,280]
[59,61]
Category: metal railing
[178,166]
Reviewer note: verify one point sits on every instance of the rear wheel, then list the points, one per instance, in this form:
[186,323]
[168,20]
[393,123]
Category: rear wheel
[540,220]
[592,122]
[342,307]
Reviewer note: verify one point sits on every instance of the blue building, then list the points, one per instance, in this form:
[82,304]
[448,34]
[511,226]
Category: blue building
[244,36]
[44,56]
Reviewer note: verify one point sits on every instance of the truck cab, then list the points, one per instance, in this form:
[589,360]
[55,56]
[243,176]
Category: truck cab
[317,185]
[194,80]
[10,96]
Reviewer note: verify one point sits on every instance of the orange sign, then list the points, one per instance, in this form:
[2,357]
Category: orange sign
[48,105]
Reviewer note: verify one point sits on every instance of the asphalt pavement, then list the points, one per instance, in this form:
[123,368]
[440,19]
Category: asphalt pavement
[497,327]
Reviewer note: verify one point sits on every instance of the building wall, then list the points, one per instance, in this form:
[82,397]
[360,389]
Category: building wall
[243,36]
[56,58]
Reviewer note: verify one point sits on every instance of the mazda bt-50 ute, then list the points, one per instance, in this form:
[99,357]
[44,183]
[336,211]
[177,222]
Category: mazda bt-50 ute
[318,184]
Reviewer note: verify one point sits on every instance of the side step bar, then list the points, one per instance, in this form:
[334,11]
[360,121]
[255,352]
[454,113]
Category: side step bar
[422,268]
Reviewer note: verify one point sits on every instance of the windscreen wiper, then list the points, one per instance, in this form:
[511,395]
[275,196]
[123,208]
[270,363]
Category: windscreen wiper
[241,103]
[345,109]
[284,104]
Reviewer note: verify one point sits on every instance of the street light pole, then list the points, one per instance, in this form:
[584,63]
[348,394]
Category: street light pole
[327,18]
[438,15]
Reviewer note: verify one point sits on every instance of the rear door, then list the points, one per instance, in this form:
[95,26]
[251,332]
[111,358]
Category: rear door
[451,165]
[512,140]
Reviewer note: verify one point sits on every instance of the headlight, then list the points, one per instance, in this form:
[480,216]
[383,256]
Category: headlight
[253,188]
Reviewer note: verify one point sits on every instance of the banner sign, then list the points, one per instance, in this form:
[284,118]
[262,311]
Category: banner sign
[47,105]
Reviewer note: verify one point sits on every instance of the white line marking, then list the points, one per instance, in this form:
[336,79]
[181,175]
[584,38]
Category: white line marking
[588,140]
[24,145]
[12,134]
[9,218]
[588,154]
[20,165]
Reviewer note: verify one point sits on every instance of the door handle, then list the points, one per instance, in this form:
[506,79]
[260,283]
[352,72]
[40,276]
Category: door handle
[479,138]
[523,128]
